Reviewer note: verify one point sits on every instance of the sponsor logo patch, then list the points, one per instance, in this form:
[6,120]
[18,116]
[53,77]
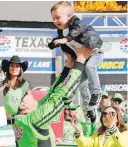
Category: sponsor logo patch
[124,45]
[66,80]
[5,43]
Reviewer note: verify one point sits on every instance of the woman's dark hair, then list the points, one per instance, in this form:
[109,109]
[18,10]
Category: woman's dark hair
[20,81]
[120,124]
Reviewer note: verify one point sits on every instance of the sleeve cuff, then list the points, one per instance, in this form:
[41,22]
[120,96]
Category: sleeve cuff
[69,37]
[51,45]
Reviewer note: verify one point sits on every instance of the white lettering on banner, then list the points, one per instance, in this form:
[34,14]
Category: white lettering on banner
[32,42]
[116,87]
[41,64]
[33,46]
[32,50]
[30,63]
[40,50]
[22,50]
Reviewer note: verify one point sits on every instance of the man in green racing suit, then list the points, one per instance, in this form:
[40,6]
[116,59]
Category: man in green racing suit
[50,107]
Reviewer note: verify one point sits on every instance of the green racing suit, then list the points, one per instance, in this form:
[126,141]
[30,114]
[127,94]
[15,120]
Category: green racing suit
[49,108]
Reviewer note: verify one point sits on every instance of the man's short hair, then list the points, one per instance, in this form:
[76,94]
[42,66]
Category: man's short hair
[64,4]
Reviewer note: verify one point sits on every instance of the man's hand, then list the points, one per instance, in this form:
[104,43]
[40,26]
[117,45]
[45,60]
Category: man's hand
[60,41]
[28,104]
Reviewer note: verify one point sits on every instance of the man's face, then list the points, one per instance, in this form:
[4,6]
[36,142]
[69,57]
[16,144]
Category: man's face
[105,101]
[70,115]
[115,103]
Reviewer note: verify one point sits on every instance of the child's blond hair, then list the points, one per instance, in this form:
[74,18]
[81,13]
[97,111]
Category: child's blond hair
[63,4]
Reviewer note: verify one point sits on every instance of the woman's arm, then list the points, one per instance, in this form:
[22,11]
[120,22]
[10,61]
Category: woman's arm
[120,139]
[83,141]
[80,139]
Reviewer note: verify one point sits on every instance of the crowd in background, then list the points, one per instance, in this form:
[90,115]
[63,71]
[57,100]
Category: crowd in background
[88,128]
[93,126]
[77,113]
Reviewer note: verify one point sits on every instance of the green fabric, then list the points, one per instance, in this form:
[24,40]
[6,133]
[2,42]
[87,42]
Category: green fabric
[49,92]
[105,93]
[28,138]
[118,96]
[88,128]
[13,98]
[51,108]
[12,102]
[72,106]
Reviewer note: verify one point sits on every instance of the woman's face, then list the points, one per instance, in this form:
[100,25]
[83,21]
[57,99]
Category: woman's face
[106,113]
[14,69]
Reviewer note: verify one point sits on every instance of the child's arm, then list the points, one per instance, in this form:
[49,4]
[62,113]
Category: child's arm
[52,45]
[75,29]
[89,36]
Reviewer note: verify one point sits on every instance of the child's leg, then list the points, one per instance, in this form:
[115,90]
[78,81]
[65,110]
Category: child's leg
[52,107]
[93,77]
[70,62]
[84,90]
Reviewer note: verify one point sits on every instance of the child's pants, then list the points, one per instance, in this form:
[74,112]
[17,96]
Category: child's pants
[90,84]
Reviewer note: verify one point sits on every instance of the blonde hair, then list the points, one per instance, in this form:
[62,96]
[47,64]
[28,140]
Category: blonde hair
[63,4]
